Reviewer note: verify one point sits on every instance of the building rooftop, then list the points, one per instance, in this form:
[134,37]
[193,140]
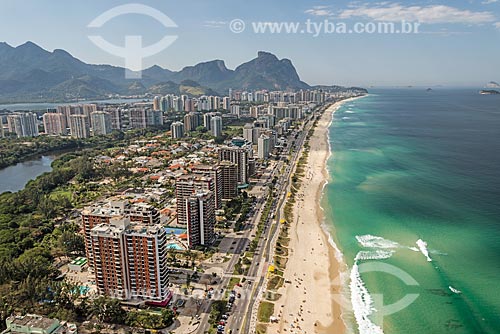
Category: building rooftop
[31,321]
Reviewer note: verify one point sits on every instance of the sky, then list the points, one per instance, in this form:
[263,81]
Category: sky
[457,44]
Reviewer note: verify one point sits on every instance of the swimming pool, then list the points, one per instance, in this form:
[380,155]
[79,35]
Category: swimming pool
[174,246]
[176,231]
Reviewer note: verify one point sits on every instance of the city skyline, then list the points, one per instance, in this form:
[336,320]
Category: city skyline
[455,44]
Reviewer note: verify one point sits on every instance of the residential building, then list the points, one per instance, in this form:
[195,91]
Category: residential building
[177,130]
[240,156]
[215,173]
[130,260]
[54,124]
[101,123]
[79,126]
[216,126]
[191,121]
[200,214]
[263,147]
[229,180]
[185,186]
[23,124]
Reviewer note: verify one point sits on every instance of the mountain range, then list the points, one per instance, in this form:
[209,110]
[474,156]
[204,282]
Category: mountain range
[28,73]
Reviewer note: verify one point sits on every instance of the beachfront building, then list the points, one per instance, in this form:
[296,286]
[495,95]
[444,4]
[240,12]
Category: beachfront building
[200,215]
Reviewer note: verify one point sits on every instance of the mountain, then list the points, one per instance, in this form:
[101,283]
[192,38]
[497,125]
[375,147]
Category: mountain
[28,73]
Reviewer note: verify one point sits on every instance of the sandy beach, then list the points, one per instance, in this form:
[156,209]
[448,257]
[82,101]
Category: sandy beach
[307,304]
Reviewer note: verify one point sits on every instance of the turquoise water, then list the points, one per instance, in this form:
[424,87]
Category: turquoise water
[408,165]
[174,230]
[174,246]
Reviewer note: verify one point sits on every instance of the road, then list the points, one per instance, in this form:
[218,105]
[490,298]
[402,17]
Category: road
[240,319]
[241,323]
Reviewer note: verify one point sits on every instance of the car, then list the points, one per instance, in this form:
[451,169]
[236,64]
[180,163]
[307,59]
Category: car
[239,295]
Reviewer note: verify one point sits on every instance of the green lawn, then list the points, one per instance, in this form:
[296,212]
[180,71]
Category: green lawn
[266,310]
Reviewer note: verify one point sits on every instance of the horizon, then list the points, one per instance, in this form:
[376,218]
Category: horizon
[454,46]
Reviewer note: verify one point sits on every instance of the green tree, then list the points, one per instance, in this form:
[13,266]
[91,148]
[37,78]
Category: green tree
[108,310]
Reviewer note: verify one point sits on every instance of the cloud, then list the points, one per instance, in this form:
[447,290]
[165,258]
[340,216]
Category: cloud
[214,24]
[489,2]
[497,25]
[319,11]
[393,12]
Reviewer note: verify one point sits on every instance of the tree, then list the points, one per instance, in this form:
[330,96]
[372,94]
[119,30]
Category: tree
[108,310]
[71,243]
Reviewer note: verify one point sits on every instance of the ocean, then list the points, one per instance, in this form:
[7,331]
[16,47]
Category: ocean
[414,206]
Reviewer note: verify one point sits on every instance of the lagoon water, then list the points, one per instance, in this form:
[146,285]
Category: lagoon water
[415,194]
[14,178]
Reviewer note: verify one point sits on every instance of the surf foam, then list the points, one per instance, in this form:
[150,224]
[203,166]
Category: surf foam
[422,245]
[362,303]
[374,255]
[373,241]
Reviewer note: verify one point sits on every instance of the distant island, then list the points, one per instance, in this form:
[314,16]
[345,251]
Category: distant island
[492,84]
[489,92]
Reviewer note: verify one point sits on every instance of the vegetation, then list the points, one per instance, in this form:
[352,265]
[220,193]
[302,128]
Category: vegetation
[266,310]
[218,308]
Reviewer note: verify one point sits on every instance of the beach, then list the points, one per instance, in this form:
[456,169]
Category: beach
[308,303]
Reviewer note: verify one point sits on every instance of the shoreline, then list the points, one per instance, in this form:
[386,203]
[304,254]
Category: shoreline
[312,268]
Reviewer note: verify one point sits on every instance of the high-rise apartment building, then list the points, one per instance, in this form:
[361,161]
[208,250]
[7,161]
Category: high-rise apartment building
[186,186]
[239,156]
[216,126]
[54,124]
[200,214]
[101,123]
[263,147]
[79,126]
[214,173]
[191,121]
[23,124]
[229,180]
[177,130]
[129,260]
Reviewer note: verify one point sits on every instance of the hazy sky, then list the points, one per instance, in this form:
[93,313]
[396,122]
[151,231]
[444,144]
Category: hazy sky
[458,43]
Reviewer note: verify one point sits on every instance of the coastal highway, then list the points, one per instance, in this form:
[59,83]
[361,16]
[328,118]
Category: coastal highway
[239,249]
[241,321]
